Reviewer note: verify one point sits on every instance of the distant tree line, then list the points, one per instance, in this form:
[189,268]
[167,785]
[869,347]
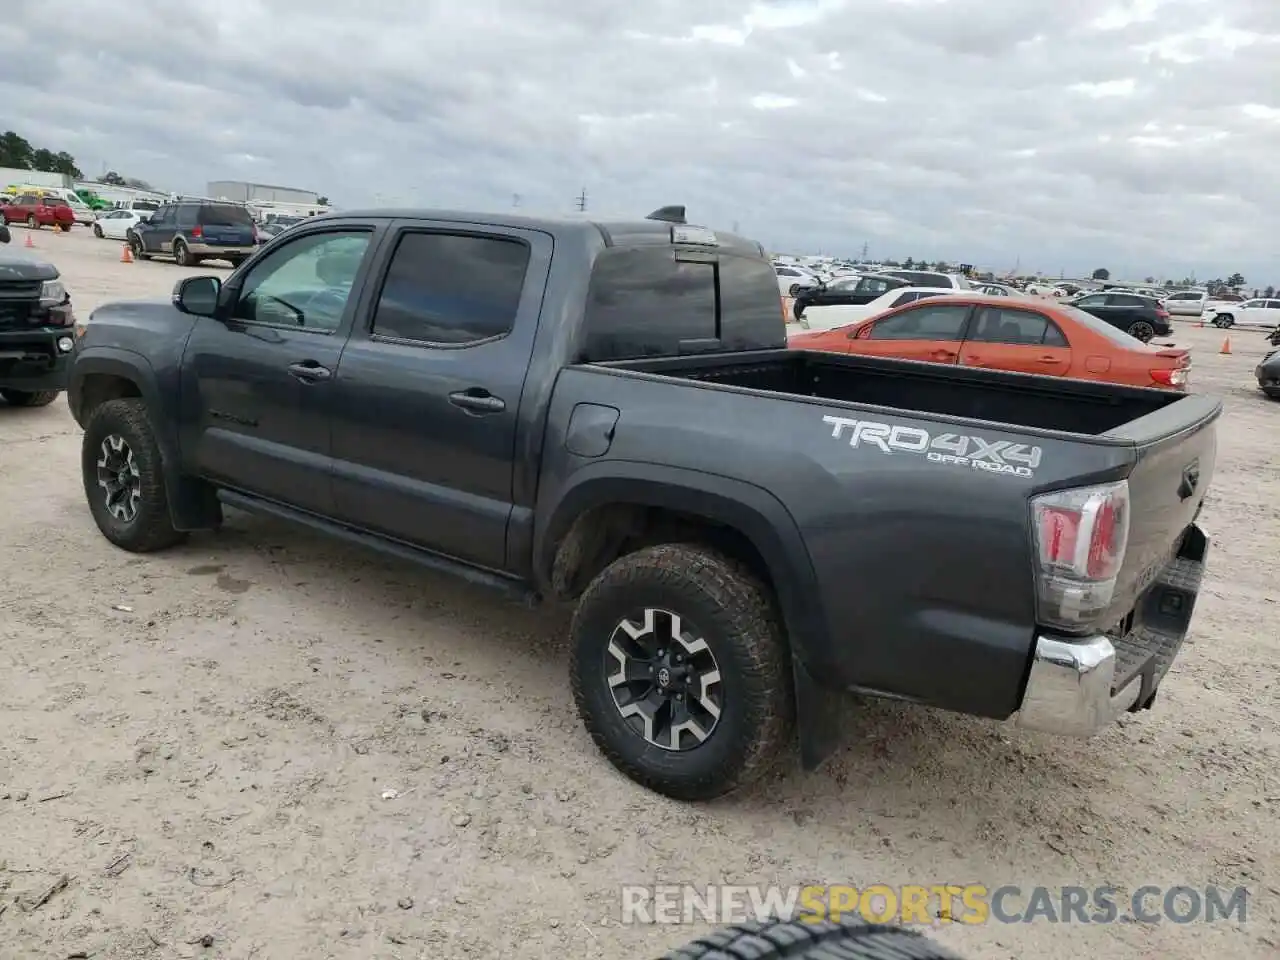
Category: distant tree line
[17,151]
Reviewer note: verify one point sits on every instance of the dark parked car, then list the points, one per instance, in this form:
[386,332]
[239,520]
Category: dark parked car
[193,230]
[1140,317]
[606,412]
[847,290]
[37,332]
[1268,372]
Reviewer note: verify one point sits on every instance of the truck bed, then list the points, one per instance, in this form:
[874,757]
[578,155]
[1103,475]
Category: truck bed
[1022,400]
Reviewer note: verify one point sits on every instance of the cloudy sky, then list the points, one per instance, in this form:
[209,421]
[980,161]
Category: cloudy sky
[1141,135]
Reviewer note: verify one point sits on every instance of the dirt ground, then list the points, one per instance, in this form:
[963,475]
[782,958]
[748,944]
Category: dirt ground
[263,744]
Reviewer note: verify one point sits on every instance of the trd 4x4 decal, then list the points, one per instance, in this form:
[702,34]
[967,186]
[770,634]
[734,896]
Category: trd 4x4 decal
[956,449]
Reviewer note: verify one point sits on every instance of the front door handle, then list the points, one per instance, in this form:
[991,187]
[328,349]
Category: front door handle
[308,371]
[1050,360]
[477,400]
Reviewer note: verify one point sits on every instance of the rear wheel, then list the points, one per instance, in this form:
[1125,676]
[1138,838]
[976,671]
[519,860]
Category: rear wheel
[181,255]
[33,223]
[64,227]
[680,671]
[235,261]
[29,398]
[1142,330]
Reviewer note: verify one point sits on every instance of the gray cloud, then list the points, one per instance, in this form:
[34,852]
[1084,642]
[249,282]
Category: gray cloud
[1057,135]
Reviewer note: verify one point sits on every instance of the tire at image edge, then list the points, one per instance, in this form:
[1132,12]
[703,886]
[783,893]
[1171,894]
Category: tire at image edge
[152,528]
[795,940]
[734,613]
[29,398]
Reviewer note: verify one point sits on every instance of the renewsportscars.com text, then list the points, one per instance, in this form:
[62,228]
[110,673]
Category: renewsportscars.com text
[938,903]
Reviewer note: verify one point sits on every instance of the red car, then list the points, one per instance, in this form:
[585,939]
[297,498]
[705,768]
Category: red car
[37,211]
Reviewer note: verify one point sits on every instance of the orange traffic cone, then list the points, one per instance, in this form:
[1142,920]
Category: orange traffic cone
[30,242]
[126,255]
[1226,346]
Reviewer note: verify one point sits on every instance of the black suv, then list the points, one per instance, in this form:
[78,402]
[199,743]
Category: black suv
[195,230]
[1141,317]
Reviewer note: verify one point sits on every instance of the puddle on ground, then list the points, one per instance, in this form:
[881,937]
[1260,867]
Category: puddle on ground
[231,584]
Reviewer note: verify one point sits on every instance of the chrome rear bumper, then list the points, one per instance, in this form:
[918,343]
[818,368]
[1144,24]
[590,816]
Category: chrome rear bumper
[1069,689]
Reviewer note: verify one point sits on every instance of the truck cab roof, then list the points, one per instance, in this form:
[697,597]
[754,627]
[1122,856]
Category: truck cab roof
[615,232]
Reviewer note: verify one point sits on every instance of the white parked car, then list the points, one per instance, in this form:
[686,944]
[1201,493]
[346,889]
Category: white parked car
[789,277]
[828,318]
[1257,314]
[114,224]
[1186,303]
[929,279]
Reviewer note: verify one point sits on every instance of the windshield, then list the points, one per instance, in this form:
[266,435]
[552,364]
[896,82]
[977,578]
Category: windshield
[1086,319]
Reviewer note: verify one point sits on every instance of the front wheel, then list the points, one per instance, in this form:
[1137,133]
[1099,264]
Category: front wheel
[124,480]
[97,231]
[1142,330]
[64,227]
[680,671]
[136,247]
[33,223]
[235,261]
[1224,321]
[29,398]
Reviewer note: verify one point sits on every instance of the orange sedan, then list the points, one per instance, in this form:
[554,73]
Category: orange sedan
[1025,336]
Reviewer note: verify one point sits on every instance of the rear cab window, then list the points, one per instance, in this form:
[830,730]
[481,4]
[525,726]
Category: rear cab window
[223,215]
[646,301]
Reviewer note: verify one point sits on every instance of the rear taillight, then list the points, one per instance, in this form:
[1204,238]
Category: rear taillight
[1080,538]
[1170,378]
[197,231]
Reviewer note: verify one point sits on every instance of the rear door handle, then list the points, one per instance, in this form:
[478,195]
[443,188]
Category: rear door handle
[944,355]
[309,371]
[477,400]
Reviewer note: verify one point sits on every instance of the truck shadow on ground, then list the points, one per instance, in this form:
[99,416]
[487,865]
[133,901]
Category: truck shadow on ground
[903,774]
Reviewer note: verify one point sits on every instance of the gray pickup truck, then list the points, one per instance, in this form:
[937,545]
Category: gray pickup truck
[607,413]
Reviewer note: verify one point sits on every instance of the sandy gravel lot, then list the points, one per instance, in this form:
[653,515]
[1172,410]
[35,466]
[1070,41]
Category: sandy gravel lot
[201,741]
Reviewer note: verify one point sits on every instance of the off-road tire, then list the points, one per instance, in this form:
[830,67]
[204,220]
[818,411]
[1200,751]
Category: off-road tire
[735,614]
[97,231]
[793,940]
[151,529]
[29,398]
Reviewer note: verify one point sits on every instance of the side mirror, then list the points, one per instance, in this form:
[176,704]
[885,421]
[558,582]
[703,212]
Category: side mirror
[5,235]
[197,296]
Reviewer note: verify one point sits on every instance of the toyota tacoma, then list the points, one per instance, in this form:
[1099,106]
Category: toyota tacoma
[607,413]
[35,330]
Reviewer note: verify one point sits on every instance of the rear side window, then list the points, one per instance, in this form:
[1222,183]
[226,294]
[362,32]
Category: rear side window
[932,322]
[921,279]
[1186,296]
[904,299]
[223,215]
[186,216]
[452,289]
[999,325]
[1126,300]
[644,302]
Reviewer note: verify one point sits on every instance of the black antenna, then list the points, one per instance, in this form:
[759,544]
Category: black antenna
[581,200]
[669,214]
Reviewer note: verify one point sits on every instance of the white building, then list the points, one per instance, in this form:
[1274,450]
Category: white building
[241,191]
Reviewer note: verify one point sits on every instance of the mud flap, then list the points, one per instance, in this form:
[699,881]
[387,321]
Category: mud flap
[818,712]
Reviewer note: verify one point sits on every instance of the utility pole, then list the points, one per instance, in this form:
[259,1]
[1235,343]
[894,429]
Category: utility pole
[515,200]
[581,200]
[864,251]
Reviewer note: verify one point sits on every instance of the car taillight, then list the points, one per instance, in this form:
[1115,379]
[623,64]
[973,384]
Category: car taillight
[1080,539]
[197,231]
[1170,378]
[1162,313]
